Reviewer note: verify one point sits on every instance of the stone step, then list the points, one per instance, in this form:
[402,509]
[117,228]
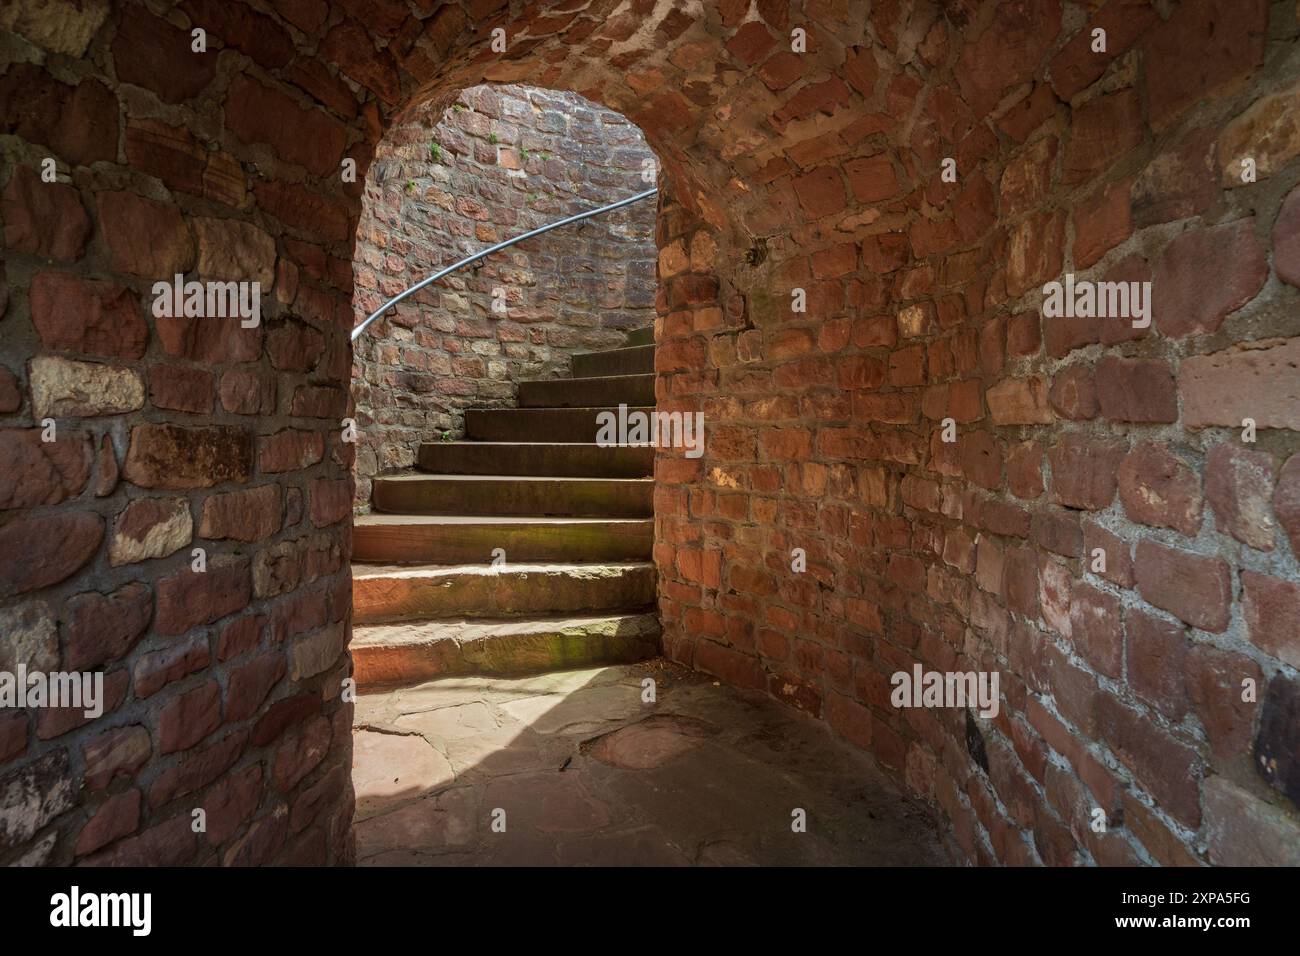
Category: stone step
[588,392]
[514,495]
[536,424]
[575,460]
[633,360]
[641,336]
[460,539]
[383,594]
[425,650]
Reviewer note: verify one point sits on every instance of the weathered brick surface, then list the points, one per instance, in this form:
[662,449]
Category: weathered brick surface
[822,427]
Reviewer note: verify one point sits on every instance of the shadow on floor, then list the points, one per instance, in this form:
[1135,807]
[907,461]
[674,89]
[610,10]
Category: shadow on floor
[578,769]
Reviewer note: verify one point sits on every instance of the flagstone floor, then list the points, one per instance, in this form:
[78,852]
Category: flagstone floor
[575,768]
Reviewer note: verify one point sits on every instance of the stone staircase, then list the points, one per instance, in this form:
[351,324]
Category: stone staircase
[574,520]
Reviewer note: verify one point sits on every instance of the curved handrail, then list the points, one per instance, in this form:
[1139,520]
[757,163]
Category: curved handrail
[356,333]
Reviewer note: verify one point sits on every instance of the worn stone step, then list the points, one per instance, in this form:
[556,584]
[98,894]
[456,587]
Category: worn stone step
[641,336]
[390,593]
[514,495]
[597,392]
[424,650]
[461,539]
[561,459]
[633,360]
[536,424]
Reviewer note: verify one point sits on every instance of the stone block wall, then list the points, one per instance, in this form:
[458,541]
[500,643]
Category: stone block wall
[447,183]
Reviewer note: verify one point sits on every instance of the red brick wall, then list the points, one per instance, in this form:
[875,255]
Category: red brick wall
[509,159]
[1122,689]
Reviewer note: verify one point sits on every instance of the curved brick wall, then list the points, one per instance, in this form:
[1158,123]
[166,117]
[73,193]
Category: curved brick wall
[1121,689]
[509,159]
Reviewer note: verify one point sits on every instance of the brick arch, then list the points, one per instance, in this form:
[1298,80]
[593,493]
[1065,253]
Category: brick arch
[820,172]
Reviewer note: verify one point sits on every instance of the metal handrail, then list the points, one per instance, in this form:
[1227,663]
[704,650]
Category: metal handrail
[356,333]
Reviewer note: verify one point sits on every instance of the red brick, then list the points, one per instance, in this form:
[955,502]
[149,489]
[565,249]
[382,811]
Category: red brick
[1084,472]
[37,551]
[1256,380]
[751,43]
[87,315]
[189,717]
[182,389]
[1136,390]
[37,472]
[247,393]
[1074,393]
[734,668]
[1193,588]
[121,751]
[231,802]
[145,237]
[248,515]
[1160,489]
[1036,251]
[1058,533]
[308,137]
[192,598]
[1166,768]
[1157,662]
[820,192]
[1030,113]
[150,52]
[173,456]
[116,817]
[80,123]
[1204,274]
[330,500]
[1179,183]
[1214,680]
[323,216]
[1025,470]
[248,685]
[1027,179]
[1242,830]
[1101,222]
[1101,131]
[872,178]
[1272,608]
[885,252]
[1204,46]
[260,37]
[1076,66]
[1239,486]
[156,670]
[52,722]
[1007,53]
[44,219]
[349,45]
[1019,401]
[104,627]
[825,97]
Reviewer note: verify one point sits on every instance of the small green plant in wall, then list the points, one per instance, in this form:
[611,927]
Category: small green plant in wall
[410,185]
[493,138]
[435,152]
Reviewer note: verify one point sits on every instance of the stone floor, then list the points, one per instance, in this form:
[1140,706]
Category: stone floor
[583,772]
